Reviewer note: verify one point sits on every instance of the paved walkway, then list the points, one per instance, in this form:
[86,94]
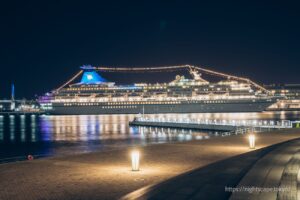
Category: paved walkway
[108,175]
[271,168]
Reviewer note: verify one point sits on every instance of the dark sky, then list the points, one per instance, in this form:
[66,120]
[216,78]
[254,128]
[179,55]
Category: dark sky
[43,44]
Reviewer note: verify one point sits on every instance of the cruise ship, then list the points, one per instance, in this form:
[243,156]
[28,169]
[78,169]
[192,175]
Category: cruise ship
[93,94]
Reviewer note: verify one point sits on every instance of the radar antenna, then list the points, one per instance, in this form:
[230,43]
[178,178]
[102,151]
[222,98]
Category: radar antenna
[196,75]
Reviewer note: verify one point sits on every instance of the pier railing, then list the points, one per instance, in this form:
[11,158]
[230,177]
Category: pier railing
[263,124]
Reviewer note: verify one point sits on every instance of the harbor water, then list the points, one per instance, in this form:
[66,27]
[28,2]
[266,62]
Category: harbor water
[48,135]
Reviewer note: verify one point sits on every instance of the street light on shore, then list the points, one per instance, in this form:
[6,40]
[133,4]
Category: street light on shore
[135,160]
[251,141]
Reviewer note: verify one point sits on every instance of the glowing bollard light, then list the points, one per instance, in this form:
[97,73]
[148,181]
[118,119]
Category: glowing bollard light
[135,160]
[252,141]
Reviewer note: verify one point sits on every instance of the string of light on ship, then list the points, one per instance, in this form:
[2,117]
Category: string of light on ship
[160,69]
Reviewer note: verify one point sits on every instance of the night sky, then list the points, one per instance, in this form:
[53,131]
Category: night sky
[43,44]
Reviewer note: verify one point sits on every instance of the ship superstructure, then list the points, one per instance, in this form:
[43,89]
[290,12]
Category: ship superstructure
[95,95]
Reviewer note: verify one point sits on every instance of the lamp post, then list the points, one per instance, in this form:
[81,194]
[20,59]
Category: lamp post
[135,160]
[251,138]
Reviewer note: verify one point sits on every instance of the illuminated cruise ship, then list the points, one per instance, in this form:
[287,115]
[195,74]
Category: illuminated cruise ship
[95,95]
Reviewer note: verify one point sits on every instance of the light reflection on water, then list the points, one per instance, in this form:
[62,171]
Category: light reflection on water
[22,135]
[99,127]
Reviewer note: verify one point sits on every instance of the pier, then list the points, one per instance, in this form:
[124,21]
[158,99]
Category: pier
[214,125]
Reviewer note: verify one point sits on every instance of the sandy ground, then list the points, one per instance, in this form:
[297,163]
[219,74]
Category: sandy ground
[108,175]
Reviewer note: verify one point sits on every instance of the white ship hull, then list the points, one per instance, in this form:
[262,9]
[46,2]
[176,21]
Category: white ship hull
[161,107]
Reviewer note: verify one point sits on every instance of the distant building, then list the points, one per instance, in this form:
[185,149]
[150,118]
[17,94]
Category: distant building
[5,105]
[292,91]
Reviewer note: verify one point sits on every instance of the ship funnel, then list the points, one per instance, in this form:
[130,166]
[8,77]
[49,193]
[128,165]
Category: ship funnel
[90,76]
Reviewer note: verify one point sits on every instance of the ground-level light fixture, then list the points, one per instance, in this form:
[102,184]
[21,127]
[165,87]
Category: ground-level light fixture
[135,160]
[251,141]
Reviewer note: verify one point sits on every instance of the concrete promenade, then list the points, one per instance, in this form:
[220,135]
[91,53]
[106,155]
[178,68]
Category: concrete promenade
[268,170]
[275,176]
[108,175]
